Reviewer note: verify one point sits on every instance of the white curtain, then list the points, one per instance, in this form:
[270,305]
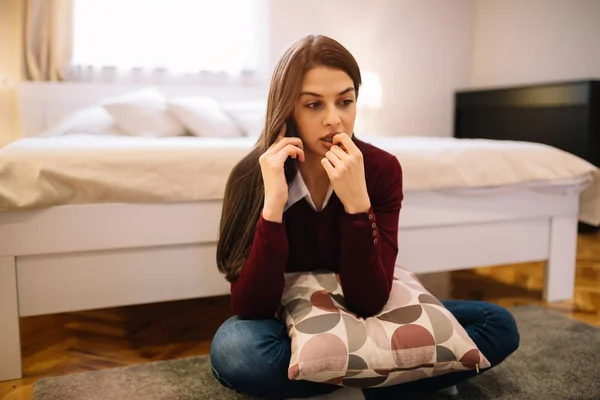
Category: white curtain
[164,41]
[47,39]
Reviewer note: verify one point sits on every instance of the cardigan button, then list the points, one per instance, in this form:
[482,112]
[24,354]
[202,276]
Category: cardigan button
[375,241]
[370,216]
[374,233]
[373,225]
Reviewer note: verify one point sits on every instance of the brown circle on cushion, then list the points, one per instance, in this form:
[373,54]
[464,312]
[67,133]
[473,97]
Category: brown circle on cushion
[470,358]
[322,301]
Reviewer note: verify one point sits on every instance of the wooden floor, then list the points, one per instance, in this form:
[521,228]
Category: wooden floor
[92,340]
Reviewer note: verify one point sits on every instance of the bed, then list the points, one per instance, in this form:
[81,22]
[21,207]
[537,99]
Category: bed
[93,222]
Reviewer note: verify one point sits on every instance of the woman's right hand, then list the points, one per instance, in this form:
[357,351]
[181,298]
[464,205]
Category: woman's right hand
[271,165]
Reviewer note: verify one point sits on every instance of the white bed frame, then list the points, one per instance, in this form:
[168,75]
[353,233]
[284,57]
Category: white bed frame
[79,257]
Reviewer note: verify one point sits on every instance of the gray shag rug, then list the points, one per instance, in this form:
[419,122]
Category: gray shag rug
[557,359]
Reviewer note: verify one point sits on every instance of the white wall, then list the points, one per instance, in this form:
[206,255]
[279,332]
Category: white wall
[422,51]
[529,41]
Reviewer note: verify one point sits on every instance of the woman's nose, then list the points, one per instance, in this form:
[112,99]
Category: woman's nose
[332,118]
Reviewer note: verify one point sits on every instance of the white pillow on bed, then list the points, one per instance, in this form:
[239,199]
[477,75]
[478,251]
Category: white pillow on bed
[249,115]
[203,116]
[143,113]
[93,120]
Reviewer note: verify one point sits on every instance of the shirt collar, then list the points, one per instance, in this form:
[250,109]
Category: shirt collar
[298,191]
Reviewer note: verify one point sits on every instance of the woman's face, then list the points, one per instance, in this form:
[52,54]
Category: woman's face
[326,107]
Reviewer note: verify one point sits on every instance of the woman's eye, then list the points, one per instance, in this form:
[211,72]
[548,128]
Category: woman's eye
[312,105]
[347,102]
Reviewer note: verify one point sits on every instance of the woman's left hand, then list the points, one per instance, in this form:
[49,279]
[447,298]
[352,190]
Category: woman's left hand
[346,171]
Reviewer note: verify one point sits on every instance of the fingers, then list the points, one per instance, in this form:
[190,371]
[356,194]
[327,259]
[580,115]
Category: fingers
[345,140]
[342,155]
[284,141]
[289,151]
[328,167]
[334,159]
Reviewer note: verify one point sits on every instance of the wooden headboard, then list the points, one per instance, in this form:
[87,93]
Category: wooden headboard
[565,115]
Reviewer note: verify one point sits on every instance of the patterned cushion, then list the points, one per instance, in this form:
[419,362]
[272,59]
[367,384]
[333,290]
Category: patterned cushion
[413,337]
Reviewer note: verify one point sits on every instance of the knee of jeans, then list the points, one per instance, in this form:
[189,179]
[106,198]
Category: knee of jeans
[236,352]
[226,349]
[508,331]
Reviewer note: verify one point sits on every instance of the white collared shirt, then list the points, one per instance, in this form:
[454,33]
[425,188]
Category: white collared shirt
[298,191]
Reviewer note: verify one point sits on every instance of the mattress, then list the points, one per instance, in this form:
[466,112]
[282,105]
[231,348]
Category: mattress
[80,169]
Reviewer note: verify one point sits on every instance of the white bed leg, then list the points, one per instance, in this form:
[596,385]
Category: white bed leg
[10,344]
[560,268]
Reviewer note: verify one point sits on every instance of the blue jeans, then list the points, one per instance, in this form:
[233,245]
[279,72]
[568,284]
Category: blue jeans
[252,356]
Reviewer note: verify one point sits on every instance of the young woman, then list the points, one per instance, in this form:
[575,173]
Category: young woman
[311,195]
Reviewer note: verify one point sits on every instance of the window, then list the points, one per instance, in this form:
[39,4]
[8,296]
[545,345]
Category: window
[167,37]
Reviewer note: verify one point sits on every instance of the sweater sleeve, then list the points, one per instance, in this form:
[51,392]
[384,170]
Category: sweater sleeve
[369,246]
[257,291]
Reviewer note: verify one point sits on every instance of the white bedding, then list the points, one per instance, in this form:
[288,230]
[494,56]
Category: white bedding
[77,169]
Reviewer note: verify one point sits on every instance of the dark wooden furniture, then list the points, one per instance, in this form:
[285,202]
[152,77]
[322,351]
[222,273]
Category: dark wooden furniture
[565,115]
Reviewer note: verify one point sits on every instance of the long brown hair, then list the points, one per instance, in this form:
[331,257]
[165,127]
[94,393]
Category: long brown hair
[244,193]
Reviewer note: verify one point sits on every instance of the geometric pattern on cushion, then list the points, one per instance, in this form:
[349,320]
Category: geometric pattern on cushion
[413,337]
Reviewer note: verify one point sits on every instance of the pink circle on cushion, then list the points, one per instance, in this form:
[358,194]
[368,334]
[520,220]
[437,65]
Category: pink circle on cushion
[470,358]
[376,332]
[322,347]
[403,315]
[322,301]
[413,345]
[400,296]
